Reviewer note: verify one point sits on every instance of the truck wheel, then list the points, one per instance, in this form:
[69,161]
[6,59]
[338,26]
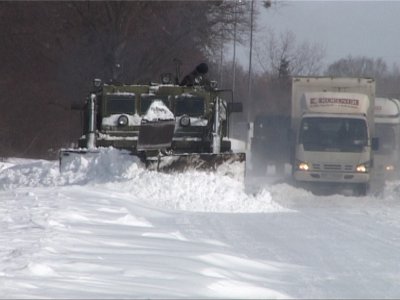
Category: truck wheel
[362,189]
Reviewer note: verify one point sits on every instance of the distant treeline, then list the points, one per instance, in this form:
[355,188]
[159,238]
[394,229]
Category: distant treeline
[52,50]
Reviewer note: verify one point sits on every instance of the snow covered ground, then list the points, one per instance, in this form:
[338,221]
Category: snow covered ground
[107,228]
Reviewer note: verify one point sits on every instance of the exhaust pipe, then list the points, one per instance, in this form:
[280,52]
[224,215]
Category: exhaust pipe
[91,139]
[216,134]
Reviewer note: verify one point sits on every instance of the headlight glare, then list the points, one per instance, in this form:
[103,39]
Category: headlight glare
[362,168]
[303,166]
[389,168]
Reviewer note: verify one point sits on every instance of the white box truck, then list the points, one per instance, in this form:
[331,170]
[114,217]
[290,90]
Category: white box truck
[332,125]
[387,129]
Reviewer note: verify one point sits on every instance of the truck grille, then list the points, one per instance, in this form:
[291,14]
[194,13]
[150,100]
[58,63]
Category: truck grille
[332,167]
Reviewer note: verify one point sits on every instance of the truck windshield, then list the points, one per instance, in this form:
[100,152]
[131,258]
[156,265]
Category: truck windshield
[333,134]
[120,103]
[189,105]
[385,133]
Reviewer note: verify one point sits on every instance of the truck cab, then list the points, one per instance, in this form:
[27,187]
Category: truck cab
[333,133]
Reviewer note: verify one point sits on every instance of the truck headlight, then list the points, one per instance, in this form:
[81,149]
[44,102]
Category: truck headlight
[389,168]
[362,168]
[185,121]
[123,121]
[303,166]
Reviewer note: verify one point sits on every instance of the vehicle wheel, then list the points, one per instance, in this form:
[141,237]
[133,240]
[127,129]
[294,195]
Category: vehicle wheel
[362,189]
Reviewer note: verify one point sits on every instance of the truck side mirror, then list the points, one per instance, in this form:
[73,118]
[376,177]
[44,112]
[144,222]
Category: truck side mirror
[375,143]
[235,107]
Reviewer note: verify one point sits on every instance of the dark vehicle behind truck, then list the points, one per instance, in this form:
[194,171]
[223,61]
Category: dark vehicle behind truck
[270,143]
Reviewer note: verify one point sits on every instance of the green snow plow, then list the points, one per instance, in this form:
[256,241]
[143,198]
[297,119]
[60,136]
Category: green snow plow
[172,127]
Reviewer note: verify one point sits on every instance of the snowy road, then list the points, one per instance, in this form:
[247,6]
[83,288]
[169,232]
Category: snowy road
[319,253]
[109,229]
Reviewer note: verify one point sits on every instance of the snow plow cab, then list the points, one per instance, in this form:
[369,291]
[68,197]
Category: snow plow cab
[170,126]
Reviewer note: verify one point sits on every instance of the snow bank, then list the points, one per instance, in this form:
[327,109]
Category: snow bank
[118,171]
[108,164]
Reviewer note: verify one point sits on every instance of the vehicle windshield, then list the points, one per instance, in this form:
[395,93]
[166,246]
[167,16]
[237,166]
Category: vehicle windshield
[189,105]
[386,135]
[147,99]
[118,104]
[333,134]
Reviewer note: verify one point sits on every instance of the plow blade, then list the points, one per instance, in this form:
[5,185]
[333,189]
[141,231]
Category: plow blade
[226,164]
[230,164]
[75,159]
[155,135]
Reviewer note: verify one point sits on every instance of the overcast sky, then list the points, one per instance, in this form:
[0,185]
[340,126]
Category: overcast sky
[357,28]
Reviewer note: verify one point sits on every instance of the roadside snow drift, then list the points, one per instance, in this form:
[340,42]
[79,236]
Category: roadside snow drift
[107,228]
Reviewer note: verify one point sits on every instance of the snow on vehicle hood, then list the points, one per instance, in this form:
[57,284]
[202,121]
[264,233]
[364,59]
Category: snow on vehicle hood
[158,111]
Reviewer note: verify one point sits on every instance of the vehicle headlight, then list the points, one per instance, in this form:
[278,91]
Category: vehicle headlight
[389,168]
[303,166]
[166,78]
[363,168]
[185,121]
[123,121]
[97,83]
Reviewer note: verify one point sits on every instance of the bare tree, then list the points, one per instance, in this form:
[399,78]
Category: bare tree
[302,59]
[358,67]
[138,38]
[386,79]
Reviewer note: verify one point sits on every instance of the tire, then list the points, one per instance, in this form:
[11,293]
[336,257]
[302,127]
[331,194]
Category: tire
[362,189]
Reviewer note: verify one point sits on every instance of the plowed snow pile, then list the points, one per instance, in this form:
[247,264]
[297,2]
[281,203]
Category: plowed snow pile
[116,170]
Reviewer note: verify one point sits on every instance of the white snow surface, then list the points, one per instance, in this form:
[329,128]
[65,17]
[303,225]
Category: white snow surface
[107,228]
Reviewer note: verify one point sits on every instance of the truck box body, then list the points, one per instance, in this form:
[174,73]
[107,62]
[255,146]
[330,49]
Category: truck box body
[332,123]
[387,126]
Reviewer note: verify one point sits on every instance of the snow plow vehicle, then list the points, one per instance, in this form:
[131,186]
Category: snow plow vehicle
[171,126]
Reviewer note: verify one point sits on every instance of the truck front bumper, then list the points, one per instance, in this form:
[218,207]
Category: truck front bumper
[333,177]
